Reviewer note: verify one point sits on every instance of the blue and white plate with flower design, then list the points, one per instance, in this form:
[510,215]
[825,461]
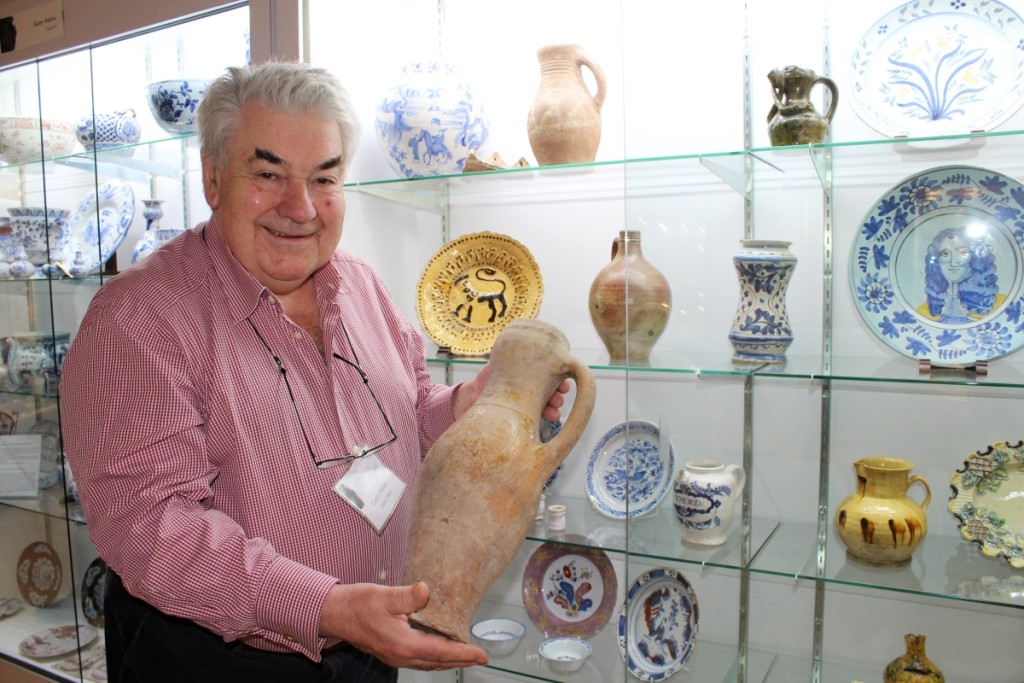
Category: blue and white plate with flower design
[935,67]
[630,470]
[657,628]
[937,266]
[97,228]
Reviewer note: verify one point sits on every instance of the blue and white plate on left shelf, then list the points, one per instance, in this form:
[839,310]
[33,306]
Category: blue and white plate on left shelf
[97,228]
[630,470]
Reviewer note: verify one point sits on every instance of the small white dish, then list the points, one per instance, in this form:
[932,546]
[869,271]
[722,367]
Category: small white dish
[498,636]
[565,655]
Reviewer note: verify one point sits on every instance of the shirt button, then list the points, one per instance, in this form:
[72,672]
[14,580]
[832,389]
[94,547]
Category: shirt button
[297,335]
[271,300]
[289,639]
[383,576]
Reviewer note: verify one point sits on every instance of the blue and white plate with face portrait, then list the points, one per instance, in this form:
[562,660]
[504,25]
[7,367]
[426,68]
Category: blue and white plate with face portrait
[630,470]
[935,67]
[937,266]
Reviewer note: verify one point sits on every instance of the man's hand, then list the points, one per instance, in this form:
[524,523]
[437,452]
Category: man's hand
[470,390]
[375,620]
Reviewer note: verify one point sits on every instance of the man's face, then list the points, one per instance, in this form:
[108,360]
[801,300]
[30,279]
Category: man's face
[279,199]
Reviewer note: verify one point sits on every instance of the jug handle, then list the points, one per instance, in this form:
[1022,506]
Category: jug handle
[927,489]
[586,395]
[739,475]
[581,61]
[833,102]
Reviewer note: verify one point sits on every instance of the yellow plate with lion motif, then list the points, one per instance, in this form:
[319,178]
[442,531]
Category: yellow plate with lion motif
[475,286]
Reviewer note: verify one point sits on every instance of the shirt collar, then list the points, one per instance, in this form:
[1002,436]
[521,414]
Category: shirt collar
[243,291]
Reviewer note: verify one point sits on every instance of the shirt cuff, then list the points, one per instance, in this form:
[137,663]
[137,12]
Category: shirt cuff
[290,603]
[439,416]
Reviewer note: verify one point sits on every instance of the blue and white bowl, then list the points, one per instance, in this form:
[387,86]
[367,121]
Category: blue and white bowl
[498,637]
[565,655]
[174,103]
[429,122]
[108,130]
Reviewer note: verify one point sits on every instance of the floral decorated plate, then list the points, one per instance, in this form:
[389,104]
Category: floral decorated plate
[93,590]
[9,606]
[54,642]
[569,591]
[97,228]
[937,266]
[658,624]
[630,471]
[475,286]
[39,574]
[988,499]
[934,67]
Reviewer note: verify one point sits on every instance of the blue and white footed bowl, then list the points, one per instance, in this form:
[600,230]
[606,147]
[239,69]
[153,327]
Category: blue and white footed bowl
[174,103]
[429,123]
[108,130]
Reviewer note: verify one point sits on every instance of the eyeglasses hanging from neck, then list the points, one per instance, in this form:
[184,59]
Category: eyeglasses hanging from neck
[358,451]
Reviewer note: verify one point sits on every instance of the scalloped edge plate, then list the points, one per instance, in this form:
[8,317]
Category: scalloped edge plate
[653,641]
[988,500]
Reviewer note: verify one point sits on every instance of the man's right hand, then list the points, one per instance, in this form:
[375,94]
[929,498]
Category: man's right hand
[375,619]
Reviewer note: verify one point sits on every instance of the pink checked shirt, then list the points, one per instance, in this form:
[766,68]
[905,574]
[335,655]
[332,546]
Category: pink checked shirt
[196,482]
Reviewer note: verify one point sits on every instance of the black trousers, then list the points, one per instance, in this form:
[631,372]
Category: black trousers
[144,645]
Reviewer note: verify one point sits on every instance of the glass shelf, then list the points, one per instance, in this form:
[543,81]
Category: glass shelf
[710,662]
[657,536]
[1001,372]
[50,503]
[943,566]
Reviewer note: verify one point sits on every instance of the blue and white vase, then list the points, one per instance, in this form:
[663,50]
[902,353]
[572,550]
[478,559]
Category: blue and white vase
[761,332]
[155,236]
[429,123]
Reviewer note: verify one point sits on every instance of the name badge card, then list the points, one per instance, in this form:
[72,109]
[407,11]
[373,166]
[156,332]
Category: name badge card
[371,489]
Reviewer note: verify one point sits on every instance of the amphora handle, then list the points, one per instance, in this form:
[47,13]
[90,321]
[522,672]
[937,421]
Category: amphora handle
[581,61]
[586,394]
[918,479]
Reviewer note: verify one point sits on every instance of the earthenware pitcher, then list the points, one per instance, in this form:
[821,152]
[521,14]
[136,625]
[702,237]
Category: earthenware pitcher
[914,665]
[793,120]
[477,493]
[630,302]
[705,492]
[564,123]
[879,523]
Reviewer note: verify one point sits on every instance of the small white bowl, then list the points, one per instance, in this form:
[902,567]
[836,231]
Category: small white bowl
[565,655]
[498,636]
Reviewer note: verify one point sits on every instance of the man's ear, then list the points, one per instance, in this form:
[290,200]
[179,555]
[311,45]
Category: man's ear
[211,180]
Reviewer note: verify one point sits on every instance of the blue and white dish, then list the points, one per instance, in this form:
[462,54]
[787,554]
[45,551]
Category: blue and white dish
[630,471]
[658,624]
[174,103]
[429,122]
[937,266]
[935,67]
[97,228]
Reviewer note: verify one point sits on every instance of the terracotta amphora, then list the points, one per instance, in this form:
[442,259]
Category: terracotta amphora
[879,523]
[564,123]
[477,493]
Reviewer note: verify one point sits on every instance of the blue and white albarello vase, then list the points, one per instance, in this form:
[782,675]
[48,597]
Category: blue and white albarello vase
[761,332]
[429,123]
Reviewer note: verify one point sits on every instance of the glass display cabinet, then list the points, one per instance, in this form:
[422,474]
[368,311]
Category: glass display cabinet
[90,178]
[685,159]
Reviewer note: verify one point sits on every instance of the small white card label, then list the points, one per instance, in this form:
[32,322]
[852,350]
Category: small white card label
[371,489]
